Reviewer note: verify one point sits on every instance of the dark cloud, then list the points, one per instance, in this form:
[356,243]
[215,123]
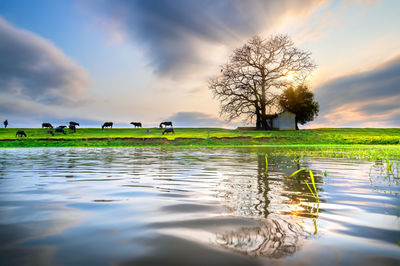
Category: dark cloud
[371,96]
[176,33]
[23,113]
[380,83]
[196,119]
[34,69]
[381,107]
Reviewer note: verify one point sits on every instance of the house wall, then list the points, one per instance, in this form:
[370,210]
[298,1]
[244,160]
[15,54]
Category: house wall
[275,123]
[286,120]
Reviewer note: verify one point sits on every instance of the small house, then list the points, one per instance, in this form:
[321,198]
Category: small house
[282,121]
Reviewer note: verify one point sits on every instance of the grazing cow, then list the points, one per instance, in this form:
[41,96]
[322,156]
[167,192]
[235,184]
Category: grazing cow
[20,133]
[60,130]
[47,125]
[72,127]
[168,130]
[165,124]
[5,124]
[136,124]
[74,123]
[62,126]
[107,124]
[50,132]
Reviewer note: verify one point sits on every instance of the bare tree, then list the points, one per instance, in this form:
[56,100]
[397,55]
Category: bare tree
[250,84]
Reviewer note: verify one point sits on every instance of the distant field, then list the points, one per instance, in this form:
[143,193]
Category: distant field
[95,137]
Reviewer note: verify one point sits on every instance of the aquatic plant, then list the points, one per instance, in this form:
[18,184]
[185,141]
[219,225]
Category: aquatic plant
[313,191]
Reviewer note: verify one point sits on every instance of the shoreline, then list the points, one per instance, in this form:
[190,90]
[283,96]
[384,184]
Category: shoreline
[177,142]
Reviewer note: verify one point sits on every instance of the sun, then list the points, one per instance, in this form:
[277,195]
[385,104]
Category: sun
[290,76]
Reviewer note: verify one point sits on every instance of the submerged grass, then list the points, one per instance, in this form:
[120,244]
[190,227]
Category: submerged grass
[386,159]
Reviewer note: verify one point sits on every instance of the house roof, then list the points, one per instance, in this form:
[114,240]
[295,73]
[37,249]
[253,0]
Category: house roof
[272,116]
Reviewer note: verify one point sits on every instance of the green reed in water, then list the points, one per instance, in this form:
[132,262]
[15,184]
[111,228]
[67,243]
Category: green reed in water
[313,192]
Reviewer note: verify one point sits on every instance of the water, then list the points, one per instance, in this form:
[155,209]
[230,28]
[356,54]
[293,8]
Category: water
[203,206]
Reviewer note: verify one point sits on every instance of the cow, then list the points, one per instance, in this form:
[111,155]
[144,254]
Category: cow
[5,123]
[168,130]
[74,123]
[165,124]
[47,125]
[136,124]
[50,132]
[60,130]
[20,133]
[107,124]
[72,127]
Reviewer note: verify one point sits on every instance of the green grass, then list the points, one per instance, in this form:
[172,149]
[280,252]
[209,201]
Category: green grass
[95,137]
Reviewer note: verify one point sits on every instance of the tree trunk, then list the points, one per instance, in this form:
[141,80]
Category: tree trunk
[295,121]
[263,104]
[258,117]
[258,122]
[264,123]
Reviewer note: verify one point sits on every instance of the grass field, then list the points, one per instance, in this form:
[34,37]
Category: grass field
[94,137]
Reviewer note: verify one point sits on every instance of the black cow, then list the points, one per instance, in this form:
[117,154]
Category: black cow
[5,123]
[47,125]
[72,127]
[50,132]
[168,130]
[20,133]
[165,124]
[107,124]
[74,123]
[136,124]
[60,130]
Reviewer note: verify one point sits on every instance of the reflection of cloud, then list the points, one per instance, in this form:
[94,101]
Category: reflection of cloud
[182,35]
[34,69]
[20,238]
[367,98]
[273,238]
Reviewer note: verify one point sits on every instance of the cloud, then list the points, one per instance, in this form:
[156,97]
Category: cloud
[369,97]
[182,36]
[197,119]
[34,69]
[23,113]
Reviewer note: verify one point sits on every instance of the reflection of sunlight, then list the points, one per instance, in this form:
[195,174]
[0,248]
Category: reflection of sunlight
[296,209]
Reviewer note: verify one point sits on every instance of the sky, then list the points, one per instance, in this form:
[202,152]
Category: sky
[124,60]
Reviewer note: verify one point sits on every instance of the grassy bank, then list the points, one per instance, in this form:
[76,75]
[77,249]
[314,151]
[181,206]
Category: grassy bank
[94,137]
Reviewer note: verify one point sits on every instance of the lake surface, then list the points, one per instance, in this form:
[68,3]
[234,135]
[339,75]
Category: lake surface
[193,206]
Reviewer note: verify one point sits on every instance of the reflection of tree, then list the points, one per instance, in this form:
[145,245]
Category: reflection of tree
[281,202]
[274,238]
[263,184]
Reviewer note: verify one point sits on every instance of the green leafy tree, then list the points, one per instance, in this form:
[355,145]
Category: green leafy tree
[300,101]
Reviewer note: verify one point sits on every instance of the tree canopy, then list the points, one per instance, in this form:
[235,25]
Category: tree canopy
[250,84]
[300,101]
